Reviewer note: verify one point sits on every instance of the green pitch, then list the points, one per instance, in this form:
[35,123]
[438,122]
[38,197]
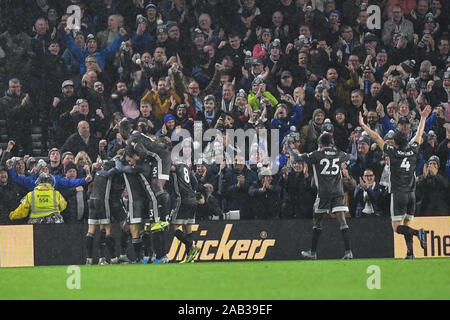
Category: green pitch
[271,280]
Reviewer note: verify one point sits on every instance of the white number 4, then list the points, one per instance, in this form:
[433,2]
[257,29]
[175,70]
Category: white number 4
[405,164]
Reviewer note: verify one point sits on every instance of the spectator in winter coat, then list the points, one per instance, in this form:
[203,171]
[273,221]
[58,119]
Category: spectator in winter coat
[77,207]
[102,56]
[235,185]
[30,181]
[433,190]
[298,195]
[265,195]
[368,196]
[9,196]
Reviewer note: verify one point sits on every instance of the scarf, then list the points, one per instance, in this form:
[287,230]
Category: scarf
[210,117]
[368,208]
[229,107]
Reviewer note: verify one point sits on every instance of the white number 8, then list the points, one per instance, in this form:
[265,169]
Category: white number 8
[186,175]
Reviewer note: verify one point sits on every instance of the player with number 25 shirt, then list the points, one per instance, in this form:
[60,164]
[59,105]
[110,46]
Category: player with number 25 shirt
[326,165]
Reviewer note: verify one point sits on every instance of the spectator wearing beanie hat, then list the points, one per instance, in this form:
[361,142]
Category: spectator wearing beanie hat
[366,159]
[311,132]
[168,126]
[76,198]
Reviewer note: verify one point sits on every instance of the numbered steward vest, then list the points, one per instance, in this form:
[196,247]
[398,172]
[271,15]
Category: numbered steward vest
[43,202]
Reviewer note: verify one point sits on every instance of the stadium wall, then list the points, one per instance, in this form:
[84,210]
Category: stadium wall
[219,240]
[37,245]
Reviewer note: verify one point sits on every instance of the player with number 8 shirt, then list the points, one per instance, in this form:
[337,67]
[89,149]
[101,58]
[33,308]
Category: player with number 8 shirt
[402,165]
[326,165]
[184,208]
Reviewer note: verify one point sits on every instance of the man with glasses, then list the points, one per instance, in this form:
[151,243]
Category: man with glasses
[368,195]
[345,45]
[397,24]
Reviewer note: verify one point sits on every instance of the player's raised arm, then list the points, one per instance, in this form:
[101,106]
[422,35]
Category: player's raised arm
[373,134]
[423,117]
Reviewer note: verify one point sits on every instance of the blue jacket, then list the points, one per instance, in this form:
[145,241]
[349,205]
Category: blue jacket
[102,56]
[284,125]
[30,181]
[141,43]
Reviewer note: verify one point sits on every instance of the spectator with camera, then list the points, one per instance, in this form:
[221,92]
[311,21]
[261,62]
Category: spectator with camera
[284,123]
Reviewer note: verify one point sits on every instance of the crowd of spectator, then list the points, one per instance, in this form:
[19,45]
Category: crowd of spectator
[302,67]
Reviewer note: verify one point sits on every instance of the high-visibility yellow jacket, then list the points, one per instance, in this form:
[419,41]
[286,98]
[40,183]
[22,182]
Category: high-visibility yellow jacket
[41,202]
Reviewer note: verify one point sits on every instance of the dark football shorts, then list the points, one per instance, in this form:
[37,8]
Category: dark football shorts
[185,214]
[403,205]
[335,204]
[98,213]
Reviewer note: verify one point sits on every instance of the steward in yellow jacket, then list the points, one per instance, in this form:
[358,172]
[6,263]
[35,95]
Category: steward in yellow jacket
[42,205]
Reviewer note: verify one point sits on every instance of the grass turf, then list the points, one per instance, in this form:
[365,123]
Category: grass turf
[265,280]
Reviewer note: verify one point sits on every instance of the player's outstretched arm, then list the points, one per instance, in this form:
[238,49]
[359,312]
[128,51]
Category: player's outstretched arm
[423,118]
[373,134]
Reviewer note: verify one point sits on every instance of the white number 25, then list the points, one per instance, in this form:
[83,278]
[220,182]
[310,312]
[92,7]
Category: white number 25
[334,166]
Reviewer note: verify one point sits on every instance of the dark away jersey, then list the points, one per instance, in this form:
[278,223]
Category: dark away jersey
[326,165]
[182,184]
[402,164]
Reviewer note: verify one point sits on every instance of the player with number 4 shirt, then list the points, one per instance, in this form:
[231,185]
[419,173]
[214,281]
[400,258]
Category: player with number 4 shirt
[402,159]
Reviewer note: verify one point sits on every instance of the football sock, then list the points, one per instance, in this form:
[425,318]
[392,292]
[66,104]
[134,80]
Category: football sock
[160,245]
[89,244]
[184,238]
[137,245]
[111,245]
[189,240]
[124,235]
[102,244]
[406,230]
[409,244]
[315,239]
[148,243]
[346,237]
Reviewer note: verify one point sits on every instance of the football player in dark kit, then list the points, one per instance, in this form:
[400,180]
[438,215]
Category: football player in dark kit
[402,160]
[142,150]
[185,208]
[101,210]
[326,165]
